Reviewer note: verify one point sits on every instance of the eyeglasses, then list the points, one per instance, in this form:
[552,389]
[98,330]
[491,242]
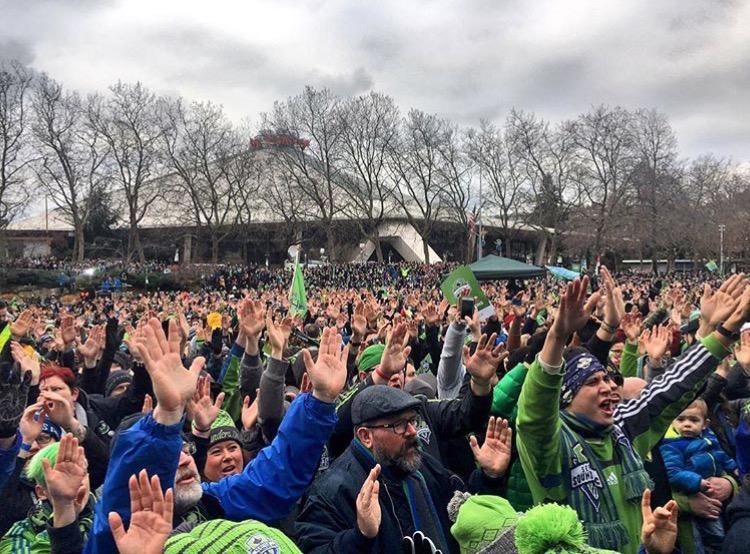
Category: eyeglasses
[400,427]
[43,439]
[188,448]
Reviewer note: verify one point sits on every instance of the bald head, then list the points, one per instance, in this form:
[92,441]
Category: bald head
[632,387]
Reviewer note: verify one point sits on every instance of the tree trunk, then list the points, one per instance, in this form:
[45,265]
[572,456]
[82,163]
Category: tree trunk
[426,249]
[331,243]
[80,243]
[214,248]
[378,248]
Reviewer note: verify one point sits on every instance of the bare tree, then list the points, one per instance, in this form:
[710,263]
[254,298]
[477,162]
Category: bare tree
[282,197]
[369,124]
[211,167]
[70,168]
[15,156]
[605,157]
[456,167]
[656,184]
[547,156]
[504,173]
[129,121]
[306,130]
[416,168]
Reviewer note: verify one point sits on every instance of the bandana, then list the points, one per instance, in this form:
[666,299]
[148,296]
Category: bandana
[579,368]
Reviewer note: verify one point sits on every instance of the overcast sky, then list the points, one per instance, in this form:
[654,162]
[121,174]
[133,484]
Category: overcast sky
[462,59]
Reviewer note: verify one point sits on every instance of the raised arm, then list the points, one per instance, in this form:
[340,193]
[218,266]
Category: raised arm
[538,423]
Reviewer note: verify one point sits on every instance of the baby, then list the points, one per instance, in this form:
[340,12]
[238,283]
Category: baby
[692,455]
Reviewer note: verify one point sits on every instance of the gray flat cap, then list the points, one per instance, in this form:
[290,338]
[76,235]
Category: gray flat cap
[380,401]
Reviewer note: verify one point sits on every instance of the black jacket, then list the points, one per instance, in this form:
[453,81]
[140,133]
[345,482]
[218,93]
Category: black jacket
[328,521]
[443,419]
[738,523]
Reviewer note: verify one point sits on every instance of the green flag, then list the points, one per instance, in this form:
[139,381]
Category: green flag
[460,281]
[711,266]
[297,295]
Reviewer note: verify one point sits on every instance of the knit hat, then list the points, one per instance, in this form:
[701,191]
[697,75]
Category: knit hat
[224,429]
[544,529]
[115,379]
[370,357]
[425,384]
[228,537]
[52,429]
[479,519]
[580,366]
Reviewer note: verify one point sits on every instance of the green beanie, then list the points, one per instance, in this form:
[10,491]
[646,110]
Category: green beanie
[370,357]
[35,470]
[220,536]
[490,525]
[479,520]
[551,528]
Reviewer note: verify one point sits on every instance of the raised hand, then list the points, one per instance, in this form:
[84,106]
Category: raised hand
[26,362]
[67,330]
[93,347]
[205,410]
[65,485]
[32,421]
[571,315]
[328,372]
[368,505]
[396,352]
[717,306]
[150,517]
[252,316]
[494,455]
[278,335]
[656,340]
[359,321]
[431,315]
[483,364]
[659,530]
[631,326]
[25,321]
[742,351]
[173,384]
[614,305]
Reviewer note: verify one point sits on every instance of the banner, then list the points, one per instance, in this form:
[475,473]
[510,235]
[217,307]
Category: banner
[461,282]
[711,266]
[297,294]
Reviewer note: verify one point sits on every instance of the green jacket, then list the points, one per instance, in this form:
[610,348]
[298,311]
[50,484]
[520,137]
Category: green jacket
[505,404]
[30,536]
[644,420]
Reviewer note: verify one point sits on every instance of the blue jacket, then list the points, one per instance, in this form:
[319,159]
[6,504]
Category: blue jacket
[8,459]
[689,460]
[266,490]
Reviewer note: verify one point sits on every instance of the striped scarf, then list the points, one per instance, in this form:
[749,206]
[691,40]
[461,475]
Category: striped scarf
[587,485]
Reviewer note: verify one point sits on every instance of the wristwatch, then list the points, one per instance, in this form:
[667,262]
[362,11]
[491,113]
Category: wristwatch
[727,333]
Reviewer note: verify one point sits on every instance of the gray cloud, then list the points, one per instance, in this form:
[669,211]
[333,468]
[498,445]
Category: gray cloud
[461,59]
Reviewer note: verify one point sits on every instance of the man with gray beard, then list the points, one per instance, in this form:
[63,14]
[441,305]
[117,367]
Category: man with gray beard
[413,488]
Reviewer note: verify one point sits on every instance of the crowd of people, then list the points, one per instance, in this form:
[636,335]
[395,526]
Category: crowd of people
[606,414]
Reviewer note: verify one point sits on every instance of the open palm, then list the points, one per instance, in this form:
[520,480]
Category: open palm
[173,384]
[150,517]
[65,480]
[328,372]
[494,455]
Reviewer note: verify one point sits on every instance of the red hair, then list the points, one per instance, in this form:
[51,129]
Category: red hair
[64,373]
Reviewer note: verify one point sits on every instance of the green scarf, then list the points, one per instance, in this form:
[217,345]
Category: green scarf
[585,480]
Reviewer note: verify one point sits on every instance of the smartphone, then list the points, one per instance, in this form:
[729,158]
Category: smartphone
[467,307]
